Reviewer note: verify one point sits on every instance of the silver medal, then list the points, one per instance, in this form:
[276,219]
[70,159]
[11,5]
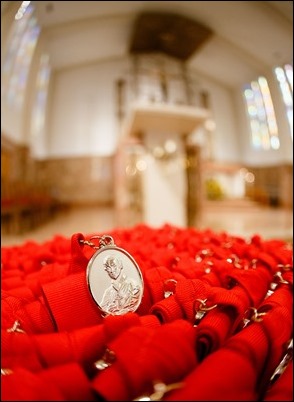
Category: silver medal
[114,279]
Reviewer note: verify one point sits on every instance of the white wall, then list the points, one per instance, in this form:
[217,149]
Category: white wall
[82,119]
[225,137]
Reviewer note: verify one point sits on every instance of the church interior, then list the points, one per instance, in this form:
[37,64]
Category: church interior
[150,122]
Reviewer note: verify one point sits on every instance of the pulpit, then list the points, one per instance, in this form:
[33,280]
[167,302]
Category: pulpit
[157,167]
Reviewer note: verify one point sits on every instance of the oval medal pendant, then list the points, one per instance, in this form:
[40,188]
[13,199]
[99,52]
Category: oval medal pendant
[115,280]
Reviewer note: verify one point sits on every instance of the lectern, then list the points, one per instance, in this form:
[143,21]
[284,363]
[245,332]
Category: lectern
[157,166]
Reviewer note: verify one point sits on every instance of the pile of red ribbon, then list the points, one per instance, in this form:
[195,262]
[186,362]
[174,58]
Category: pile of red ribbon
[215,321]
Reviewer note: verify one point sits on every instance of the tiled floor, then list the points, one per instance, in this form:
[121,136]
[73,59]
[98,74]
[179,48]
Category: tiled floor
[243,220]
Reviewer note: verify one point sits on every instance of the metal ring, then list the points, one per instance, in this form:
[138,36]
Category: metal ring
[203,307]
[107,240]
[16,328]
[169,292]
[256,316]
[104,240]
[107,359]
[89,243]
[281,279]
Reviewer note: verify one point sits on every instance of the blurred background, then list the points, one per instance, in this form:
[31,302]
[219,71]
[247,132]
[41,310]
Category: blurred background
[115,113]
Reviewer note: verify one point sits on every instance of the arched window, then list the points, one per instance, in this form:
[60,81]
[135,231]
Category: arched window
[40,101]
[17,60]
[284,75]
[264,130]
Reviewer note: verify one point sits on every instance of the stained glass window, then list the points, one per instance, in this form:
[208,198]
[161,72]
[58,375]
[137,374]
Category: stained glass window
[39,109]
[264,130]
[284,76]
[17,60]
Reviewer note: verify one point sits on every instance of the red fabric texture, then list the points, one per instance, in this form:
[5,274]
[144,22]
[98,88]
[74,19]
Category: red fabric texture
[70,303]
[181,303]
[83,346]
[213,330]
[136,351]
[53,333]
[61,383]
[33,315]
[229,374]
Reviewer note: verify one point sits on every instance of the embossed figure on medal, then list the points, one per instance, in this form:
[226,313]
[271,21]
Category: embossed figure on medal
[114,278]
